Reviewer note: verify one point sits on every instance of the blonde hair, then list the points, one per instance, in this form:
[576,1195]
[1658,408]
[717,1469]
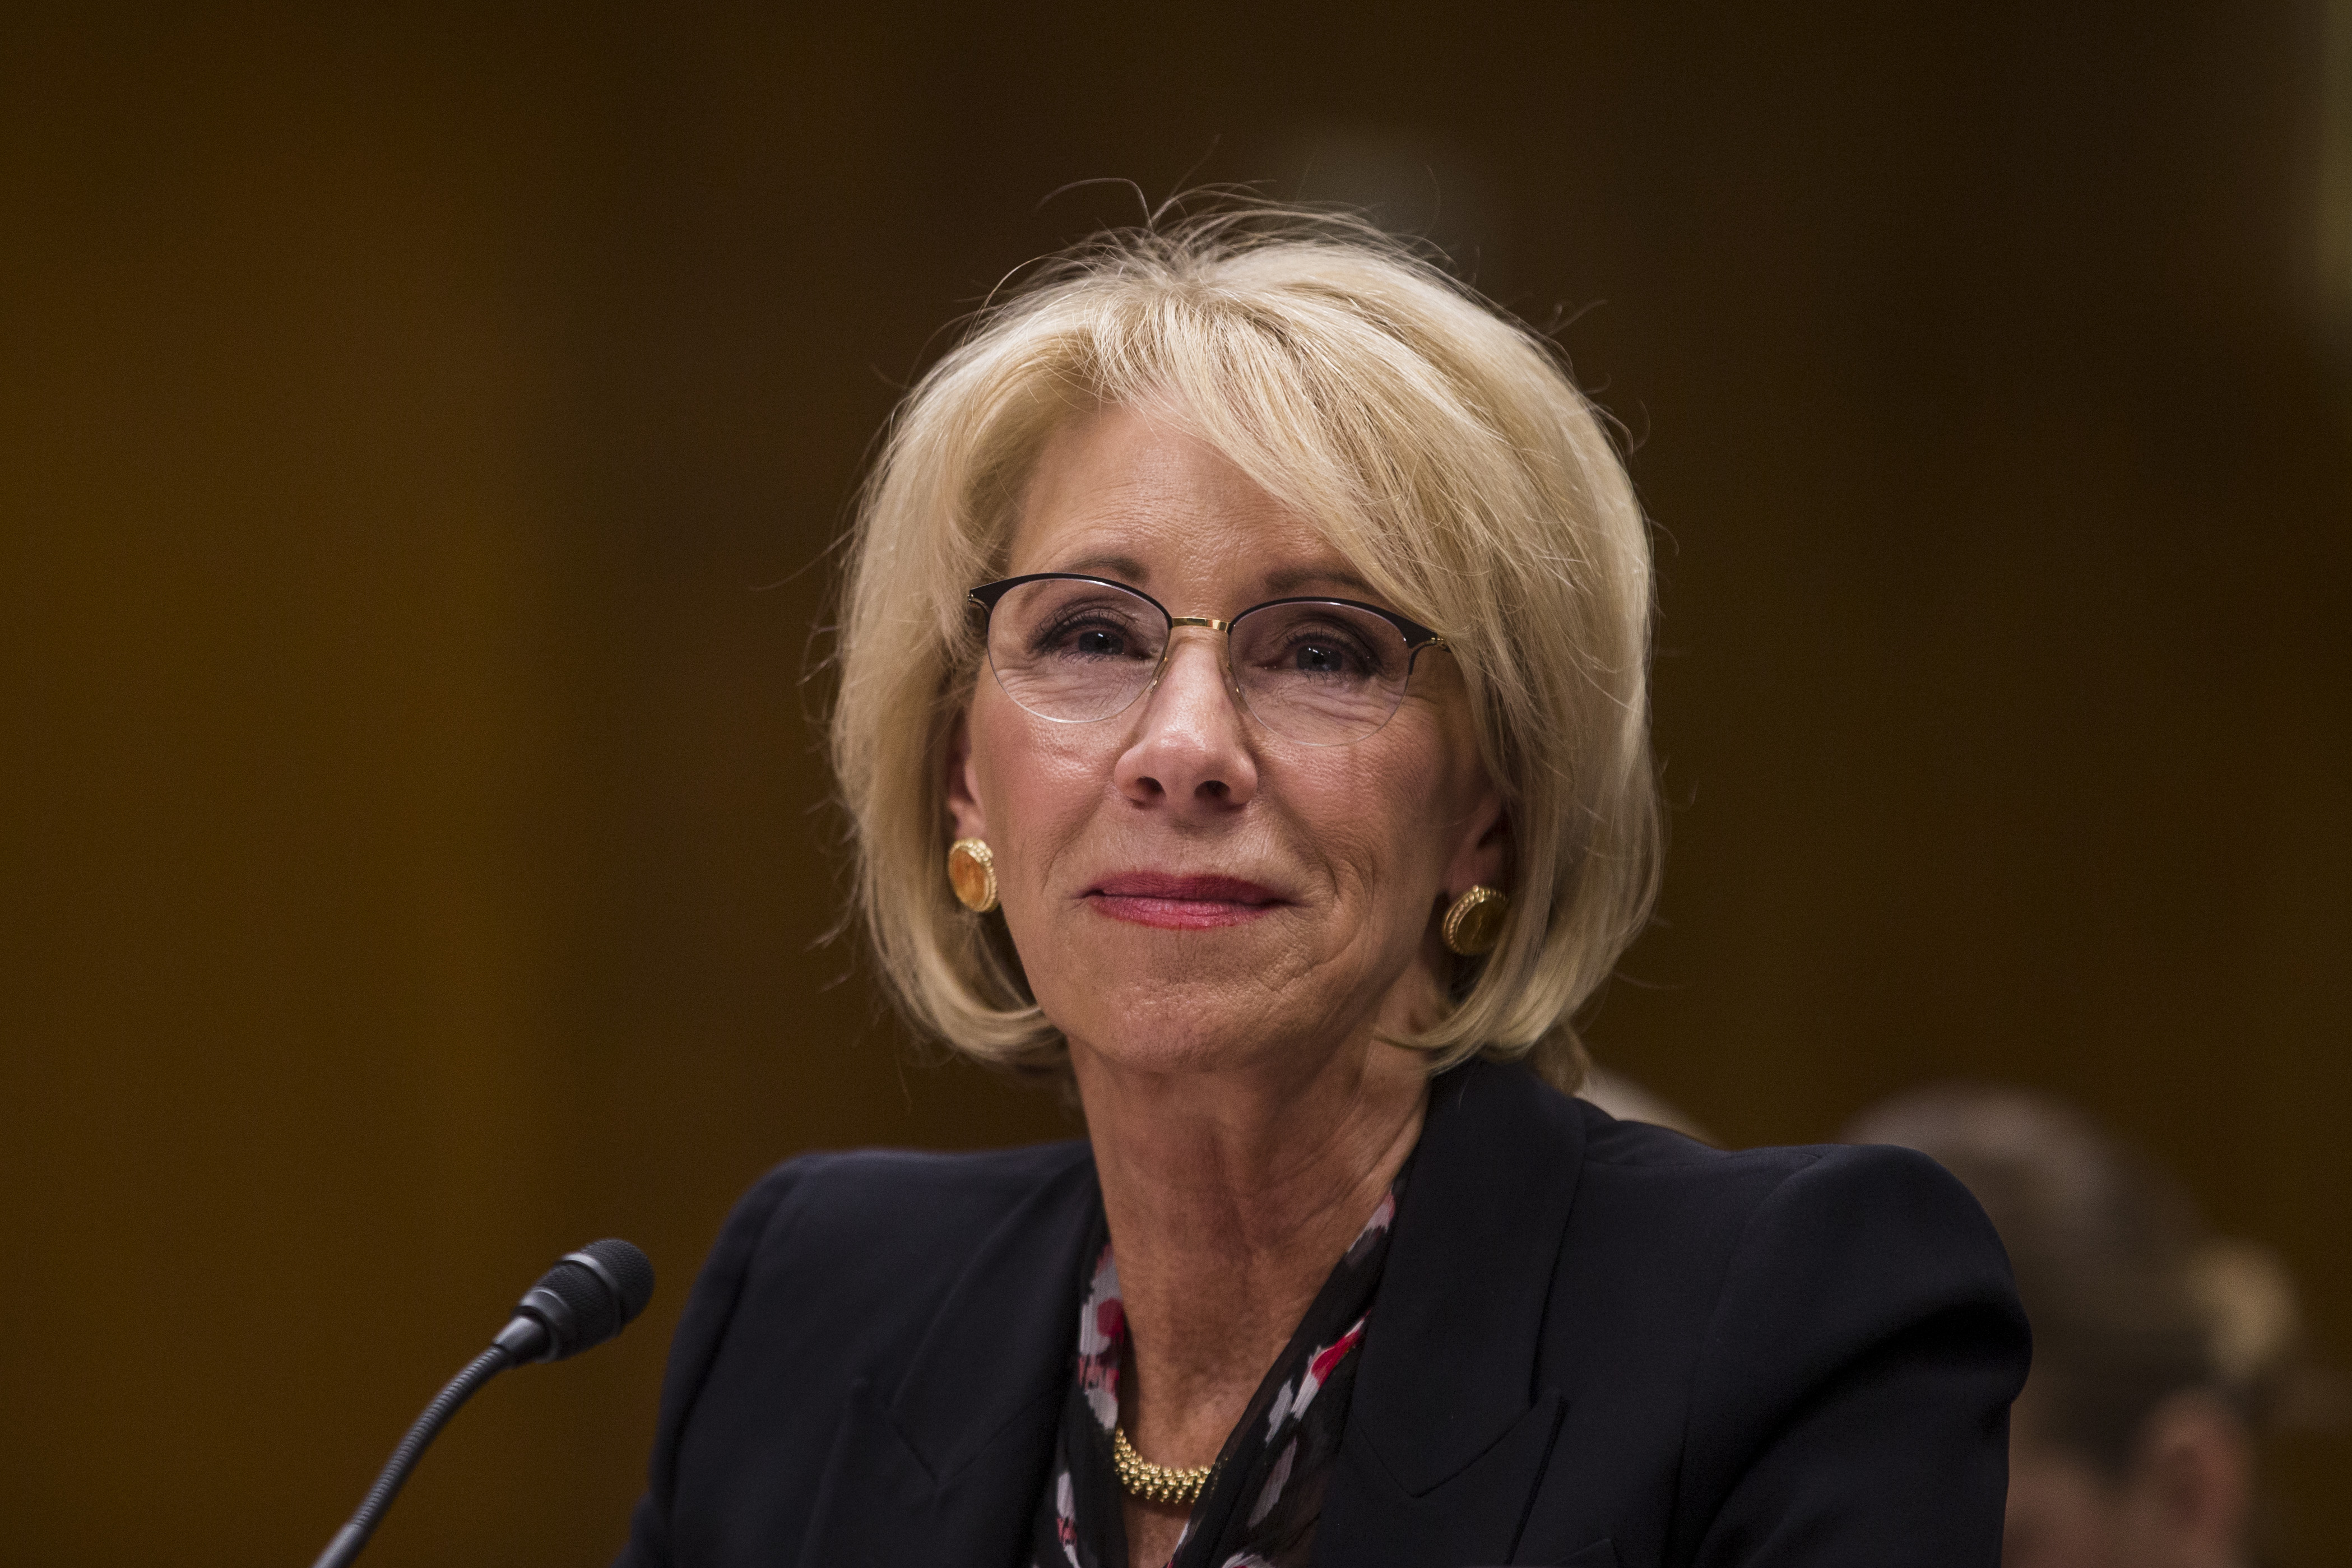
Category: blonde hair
[1443,451]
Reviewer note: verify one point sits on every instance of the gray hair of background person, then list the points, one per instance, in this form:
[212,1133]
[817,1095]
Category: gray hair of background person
[1446,455]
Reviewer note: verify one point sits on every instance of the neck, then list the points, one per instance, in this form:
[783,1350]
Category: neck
[1229,1197]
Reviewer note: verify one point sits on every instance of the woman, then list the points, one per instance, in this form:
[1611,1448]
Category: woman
[1243,718]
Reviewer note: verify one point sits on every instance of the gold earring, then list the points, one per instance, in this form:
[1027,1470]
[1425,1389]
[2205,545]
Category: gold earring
[971,872]
[1475,923]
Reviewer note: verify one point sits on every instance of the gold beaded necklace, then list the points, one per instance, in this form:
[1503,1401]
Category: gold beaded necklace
[1155,1483]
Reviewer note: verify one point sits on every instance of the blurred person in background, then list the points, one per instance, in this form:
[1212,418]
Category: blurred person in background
[1244,722]
[2160,1353]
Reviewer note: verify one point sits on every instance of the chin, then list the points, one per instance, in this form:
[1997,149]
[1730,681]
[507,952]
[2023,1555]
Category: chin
[1173,1026]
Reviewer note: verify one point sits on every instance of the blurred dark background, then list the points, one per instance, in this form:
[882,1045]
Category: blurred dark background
[420,438]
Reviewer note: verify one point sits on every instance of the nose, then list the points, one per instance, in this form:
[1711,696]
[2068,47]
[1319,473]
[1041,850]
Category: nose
[1189,749]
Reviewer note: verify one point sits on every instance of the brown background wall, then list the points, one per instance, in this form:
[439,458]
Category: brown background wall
[418,438]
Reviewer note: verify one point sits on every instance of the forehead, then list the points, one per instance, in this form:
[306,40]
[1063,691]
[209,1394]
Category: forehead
[1127,495]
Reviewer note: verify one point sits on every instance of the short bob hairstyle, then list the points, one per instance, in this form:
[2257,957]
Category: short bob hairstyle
[1446,454]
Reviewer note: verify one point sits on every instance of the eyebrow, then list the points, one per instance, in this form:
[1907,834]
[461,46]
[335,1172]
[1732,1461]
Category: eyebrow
[1125,568]
[1279,584]
[1283,583]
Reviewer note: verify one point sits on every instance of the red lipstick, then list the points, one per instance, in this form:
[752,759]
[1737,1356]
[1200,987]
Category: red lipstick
[1181,903]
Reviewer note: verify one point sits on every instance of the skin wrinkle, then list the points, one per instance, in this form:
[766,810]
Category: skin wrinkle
[1245,1117]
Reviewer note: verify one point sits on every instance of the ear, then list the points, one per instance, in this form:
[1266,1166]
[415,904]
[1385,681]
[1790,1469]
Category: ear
[1482,846]
[962,786]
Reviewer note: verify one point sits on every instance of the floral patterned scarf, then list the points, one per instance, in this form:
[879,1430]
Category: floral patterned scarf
[1265,1495]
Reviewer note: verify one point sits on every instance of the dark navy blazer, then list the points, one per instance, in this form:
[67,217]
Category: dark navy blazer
[1596,1343]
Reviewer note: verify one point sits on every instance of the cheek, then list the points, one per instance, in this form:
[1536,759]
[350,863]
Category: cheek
[1036,782]
[1387,827]
[1431,787]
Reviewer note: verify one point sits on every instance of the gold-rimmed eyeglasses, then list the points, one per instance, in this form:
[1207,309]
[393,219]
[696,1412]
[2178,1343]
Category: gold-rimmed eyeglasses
[1321,672]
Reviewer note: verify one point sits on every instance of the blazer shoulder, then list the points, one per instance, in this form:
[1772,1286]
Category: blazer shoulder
[1872,1224]
[1775,1210]
[830,1267]
[1855,1376]
[1812,1342]
[1613,1140]
[1743,1179]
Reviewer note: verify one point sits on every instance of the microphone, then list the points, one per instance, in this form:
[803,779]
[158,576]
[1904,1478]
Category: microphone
[587,1298]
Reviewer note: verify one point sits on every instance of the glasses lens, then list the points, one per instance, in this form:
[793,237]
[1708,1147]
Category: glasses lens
[1320,674]
[1075,651]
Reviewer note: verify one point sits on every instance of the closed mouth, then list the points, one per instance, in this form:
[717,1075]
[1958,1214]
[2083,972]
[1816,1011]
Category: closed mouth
[1181,903]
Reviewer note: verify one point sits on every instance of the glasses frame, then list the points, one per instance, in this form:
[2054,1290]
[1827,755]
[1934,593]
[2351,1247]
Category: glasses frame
[1416,637]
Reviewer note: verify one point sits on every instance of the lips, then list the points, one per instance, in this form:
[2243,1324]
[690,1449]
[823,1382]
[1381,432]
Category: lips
[1181,903]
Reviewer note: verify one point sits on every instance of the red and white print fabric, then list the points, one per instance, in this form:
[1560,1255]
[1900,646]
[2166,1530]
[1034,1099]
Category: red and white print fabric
[1260,1507]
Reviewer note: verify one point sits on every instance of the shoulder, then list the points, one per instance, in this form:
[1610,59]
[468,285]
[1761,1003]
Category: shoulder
[1619,1233]
[1814,1235]
[1814,1341]
[829,1271]
[1805,1194]
[1499,1140]
[857,1248]
[1762,1345]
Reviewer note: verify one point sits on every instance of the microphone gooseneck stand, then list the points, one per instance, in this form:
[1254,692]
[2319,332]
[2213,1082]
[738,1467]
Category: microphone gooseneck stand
[587,1298]
[353,1536]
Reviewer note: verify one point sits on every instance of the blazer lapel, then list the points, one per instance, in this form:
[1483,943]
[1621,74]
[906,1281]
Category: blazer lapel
[1448,1436]
[947,1466]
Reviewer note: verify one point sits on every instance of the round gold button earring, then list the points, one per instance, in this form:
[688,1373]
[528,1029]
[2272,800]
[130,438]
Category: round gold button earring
[971,872]
[1475,923]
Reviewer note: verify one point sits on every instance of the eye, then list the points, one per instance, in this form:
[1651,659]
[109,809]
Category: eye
[1325,656]
[1101,642]
[1321,651]
[1087,633]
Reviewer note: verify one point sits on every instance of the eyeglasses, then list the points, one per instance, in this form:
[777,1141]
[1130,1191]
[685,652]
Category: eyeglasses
[1321,672]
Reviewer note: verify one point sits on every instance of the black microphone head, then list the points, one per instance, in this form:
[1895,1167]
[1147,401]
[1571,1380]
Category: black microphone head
[629,1269]
[588,1297]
